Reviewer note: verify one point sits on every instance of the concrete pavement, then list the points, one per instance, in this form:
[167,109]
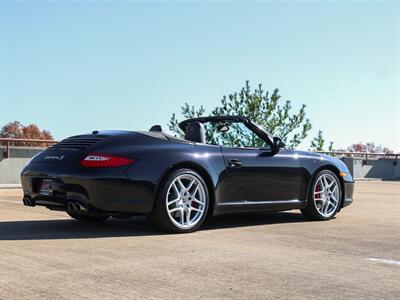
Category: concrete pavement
[47,255]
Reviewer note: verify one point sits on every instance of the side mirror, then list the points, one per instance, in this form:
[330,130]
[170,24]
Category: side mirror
[278,143]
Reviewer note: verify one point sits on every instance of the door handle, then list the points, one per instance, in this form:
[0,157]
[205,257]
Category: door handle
[234,163]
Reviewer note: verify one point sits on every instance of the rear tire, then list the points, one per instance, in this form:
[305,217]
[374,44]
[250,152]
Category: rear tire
[324,197]
[87,218]
[182,202]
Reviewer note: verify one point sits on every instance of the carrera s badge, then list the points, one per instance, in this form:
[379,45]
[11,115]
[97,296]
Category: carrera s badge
[59,157]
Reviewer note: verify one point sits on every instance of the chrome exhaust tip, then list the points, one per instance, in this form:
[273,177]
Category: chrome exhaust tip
[28,201]
[79,206]
[75,206]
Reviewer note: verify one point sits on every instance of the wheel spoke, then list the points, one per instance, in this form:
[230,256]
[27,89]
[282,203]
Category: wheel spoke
[326,207]
[326,184]
[193,194]
[188,217]
[175,209]
[181,185]
[320,184]
[175,188]
[196,209]
[197,201]
[172,201]
[191,184]
[321,208]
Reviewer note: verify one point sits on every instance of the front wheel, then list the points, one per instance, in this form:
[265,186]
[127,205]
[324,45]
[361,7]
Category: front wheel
[182,202]
[324,198]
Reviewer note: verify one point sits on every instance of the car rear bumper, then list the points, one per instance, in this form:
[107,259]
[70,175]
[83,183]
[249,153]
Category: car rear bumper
[101,190]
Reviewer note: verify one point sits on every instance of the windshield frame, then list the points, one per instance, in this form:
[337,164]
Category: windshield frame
[255,128]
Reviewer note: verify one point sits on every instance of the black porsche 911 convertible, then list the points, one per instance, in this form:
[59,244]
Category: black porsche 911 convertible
[177,183]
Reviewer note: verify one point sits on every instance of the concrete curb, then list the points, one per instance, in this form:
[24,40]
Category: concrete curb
[10,186]
[377,179]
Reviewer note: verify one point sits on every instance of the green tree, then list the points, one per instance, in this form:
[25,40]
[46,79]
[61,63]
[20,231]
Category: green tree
[331,149]
[264,108]
[317,144]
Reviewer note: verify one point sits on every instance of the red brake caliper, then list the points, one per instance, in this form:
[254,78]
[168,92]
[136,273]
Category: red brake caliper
[194,204]
[317,189]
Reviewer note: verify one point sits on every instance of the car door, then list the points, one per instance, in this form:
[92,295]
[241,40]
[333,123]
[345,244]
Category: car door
[256,174]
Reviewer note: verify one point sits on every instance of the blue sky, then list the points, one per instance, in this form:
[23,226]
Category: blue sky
[75,66]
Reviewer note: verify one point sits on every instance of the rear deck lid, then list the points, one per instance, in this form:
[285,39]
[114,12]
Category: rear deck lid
[71,149]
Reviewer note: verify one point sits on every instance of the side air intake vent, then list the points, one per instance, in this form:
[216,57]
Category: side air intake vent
[79,142]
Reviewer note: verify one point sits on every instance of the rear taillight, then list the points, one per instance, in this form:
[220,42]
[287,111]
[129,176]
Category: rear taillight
[100,160]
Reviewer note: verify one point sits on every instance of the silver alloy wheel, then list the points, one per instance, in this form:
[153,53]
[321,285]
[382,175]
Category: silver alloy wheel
[326,195]
[186,201]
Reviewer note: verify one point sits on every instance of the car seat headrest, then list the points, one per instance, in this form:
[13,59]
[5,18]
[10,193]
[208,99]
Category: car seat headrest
[156,128]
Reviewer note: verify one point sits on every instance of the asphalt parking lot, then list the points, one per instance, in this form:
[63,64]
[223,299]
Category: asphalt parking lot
[45,254]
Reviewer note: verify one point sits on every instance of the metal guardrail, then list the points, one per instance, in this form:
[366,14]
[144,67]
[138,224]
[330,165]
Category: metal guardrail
[10,141]
[364,155]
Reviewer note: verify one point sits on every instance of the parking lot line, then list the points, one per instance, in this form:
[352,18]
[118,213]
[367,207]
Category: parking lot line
[384,261]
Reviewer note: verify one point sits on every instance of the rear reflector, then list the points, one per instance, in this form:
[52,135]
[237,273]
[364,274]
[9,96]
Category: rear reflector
[100,160]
